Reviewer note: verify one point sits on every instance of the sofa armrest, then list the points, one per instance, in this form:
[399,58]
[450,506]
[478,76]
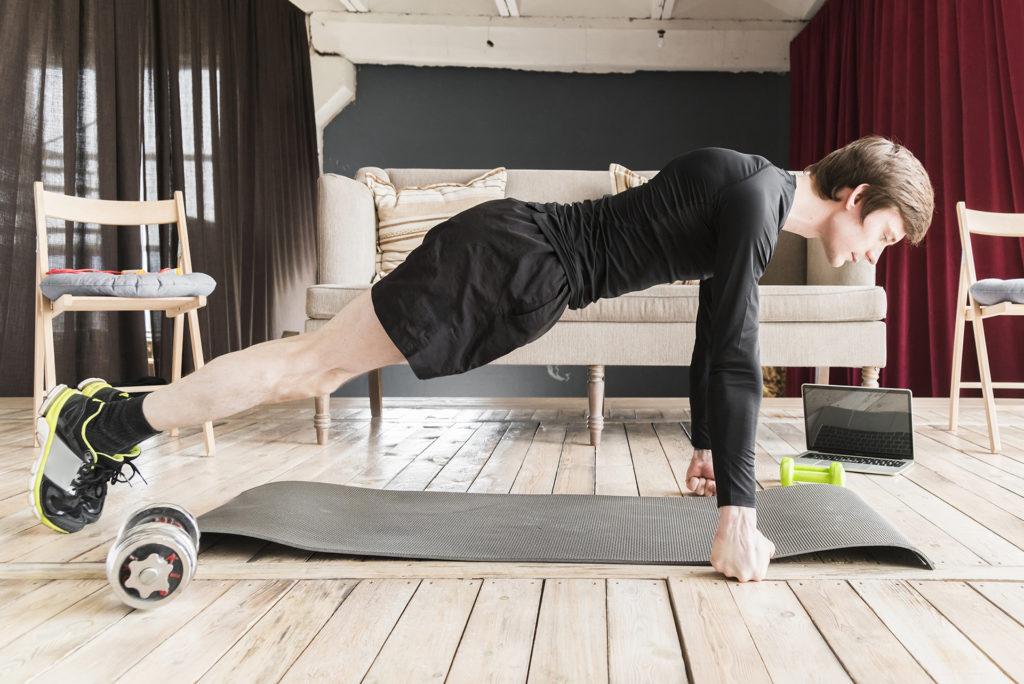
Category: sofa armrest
[346,231]
[821,272]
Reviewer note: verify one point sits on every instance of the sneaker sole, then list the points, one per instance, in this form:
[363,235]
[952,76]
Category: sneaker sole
[45,433]
[88,381]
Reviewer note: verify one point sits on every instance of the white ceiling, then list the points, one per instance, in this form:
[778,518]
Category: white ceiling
[561,35]
[765,10]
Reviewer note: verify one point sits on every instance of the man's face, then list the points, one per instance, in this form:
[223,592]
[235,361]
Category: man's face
[850,237]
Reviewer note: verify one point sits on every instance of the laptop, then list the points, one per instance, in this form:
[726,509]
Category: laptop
[867,429]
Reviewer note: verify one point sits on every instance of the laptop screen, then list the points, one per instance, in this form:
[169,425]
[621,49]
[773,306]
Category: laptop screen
[859,421]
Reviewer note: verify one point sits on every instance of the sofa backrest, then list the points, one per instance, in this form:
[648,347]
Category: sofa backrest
[787,267]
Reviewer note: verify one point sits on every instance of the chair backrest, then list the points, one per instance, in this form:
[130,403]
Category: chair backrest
[984,223]
[107,213]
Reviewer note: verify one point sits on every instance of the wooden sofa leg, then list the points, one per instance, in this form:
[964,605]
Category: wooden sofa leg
[595,394]
[376,392]
[869,376]
[322,417]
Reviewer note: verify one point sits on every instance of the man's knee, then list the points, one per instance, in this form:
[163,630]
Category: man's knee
[315,366]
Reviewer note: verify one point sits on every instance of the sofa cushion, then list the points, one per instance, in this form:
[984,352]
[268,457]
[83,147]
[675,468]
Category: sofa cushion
[404,215]
[779,303]
[678,303]
[323,301]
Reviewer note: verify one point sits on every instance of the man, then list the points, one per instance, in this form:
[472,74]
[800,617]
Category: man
[499,275]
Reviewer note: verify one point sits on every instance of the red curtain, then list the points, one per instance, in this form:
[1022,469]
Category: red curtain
[946,79]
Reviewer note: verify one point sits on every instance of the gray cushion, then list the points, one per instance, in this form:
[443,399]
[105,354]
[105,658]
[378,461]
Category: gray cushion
[127,285]
[993,290]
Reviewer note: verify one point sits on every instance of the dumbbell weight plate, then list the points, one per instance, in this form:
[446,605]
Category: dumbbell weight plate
[151,564]
[168,513]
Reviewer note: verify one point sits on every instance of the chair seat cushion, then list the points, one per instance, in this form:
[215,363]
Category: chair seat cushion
[127,285]
[991,291]
[678,303]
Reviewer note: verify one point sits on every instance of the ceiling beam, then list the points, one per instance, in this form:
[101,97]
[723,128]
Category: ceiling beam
[536,43]
[662,9]
[354,6]
[507,8]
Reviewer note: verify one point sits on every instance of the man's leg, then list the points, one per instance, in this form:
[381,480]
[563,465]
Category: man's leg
[307,365]
[87,440]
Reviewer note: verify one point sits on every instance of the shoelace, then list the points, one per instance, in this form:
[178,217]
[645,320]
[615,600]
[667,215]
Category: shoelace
[92,477]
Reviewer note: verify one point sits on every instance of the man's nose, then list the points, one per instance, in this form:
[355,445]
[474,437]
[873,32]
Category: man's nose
[873,255]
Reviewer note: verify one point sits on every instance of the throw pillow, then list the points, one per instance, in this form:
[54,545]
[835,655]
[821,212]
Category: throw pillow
[404,215]
[624,179]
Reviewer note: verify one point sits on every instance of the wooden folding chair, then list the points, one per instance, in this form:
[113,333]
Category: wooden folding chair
[112,213]
[980,223]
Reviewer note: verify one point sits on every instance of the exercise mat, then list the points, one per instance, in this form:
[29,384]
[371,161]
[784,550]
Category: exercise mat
[570,528]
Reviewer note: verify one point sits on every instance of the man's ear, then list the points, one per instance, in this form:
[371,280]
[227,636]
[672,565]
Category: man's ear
[854,196]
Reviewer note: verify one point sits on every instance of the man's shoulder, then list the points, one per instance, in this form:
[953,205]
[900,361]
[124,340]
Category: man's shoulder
[719,166]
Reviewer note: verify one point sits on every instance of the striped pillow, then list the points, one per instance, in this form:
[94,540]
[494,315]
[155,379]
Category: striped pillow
[624,179]
[404,215]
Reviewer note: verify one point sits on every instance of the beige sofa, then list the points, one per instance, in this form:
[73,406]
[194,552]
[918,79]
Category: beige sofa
[811,314]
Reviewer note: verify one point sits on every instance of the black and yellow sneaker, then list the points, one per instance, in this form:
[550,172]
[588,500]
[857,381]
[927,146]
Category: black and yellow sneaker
[69,480]
[101,389]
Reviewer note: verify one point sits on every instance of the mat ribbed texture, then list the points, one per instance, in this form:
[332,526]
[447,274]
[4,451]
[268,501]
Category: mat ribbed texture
[542,528]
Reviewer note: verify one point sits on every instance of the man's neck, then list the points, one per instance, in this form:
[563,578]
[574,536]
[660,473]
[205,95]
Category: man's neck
[810,212]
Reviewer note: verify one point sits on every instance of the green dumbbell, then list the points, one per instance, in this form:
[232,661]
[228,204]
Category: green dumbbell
[830,474]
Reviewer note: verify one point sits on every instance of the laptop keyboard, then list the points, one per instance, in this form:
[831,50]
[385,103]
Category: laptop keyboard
[855,459]
[834,437]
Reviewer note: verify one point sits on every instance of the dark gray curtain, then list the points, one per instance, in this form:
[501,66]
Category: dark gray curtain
[135,99]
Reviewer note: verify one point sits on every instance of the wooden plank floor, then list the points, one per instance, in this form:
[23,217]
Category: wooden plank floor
[261,612]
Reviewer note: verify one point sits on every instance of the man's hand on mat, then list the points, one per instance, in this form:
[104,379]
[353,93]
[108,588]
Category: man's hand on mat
[700,476]
[739,549]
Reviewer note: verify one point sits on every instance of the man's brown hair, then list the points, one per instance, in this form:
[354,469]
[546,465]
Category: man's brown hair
[896,180]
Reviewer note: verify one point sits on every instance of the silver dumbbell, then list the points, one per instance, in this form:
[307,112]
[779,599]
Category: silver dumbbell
[154,555]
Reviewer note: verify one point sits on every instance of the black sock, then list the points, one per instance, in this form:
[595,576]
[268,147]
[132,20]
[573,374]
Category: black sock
[118,427]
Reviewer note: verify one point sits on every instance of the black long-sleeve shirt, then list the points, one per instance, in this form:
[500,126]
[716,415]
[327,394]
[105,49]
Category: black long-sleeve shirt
[714,215]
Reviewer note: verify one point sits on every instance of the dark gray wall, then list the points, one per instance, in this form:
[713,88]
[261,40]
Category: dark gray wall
[482,118]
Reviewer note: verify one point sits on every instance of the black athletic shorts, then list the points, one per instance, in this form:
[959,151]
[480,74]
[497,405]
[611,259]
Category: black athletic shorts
[483,283]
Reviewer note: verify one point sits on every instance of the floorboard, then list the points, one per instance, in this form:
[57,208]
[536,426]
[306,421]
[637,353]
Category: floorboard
[264,612]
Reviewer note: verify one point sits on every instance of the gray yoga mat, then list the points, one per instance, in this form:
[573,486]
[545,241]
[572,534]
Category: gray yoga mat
[571,528]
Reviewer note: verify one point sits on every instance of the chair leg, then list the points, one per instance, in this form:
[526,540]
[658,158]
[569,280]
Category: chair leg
[39,359]
[595,396]
[178,323]
[869,376]
[197,358]
[50,365]
[376,378]
[322,417]
[986,382]
[49,355]
[957,373]
[821,375]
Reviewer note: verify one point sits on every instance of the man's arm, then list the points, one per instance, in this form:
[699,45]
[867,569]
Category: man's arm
[734,383]
[699,363]
[747,225]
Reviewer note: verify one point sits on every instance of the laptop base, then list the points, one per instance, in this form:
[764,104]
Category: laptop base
[852,466]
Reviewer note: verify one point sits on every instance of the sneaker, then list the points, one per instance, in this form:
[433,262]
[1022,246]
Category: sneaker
[101,389]
[69,480]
